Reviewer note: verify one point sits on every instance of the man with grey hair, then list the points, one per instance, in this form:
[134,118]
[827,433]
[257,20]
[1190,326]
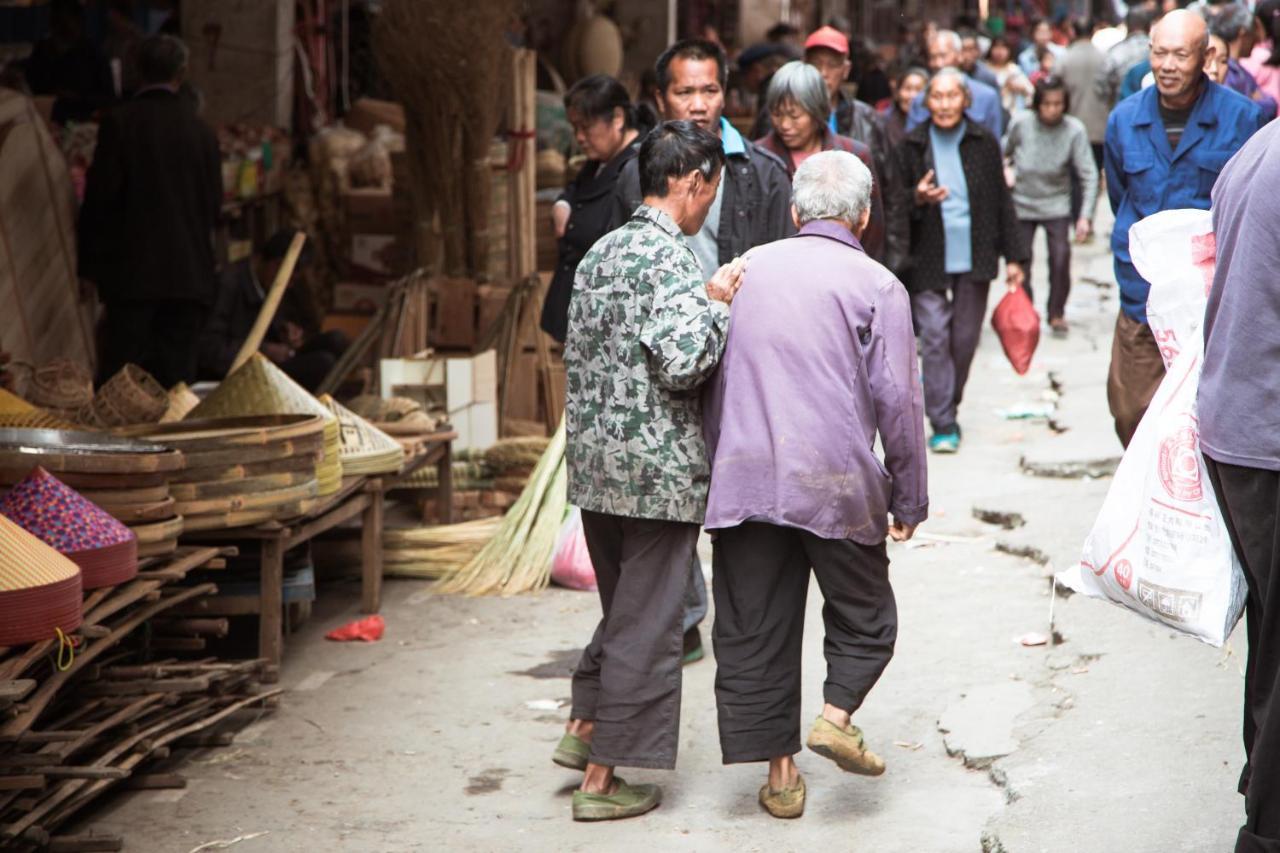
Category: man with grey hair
[815,366]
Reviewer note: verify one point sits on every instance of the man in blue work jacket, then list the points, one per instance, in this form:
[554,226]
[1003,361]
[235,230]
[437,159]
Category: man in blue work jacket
[1164,149]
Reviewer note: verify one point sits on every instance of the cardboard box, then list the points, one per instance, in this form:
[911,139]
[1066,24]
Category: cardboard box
[384,254]
[476,425]
[372,211]
[466,380]
[359,297]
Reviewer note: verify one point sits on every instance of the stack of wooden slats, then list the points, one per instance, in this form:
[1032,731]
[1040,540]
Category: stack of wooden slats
[71,731]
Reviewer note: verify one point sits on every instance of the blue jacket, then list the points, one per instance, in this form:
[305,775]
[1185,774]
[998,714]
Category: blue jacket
[1144,176]
[985,109]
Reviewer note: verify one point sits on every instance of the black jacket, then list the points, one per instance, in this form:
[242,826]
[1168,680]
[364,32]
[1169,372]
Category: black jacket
[755,208]
[917,250]
[590,197]
[152,199]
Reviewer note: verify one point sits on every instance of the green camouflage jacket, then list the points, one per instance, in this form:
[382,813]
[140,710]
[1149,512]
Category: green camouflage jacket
[643,336]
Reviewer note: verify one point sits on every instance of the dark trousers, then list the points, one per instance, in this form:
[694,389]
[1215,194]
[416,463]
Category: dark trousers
[949,325]
[315,358]
[628,680]
[1250,502]
[1135,374]
[760,583]
[160,337]
[1058,234]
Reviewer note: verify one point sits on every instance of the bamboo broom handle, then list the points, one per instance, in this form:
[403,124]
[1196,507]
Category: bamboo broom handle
[272,303]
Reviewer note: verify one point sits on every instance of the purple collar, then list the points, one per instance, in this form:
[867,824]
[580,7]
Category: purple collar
[832,231]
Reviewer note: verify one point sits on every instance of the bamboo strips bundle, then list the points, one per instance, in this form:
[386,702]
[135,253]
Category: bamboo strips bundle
[518,557]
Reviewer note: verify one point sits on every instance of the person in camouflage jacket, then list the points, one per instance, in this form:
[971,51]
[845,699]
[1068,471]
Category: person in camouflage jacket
[645,331]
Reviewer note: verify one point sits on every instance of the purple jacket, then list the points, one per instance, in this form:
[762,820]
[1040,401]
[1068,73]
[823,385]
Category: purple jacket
[820,356]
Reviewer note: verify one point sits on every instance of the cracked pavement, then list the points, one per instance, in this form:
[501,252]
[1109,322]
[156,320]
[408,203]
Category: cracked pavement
[1122,737]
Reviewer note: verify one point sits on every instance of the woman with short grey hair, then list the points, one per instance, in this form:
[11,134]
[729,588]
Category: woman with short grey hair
[798,107]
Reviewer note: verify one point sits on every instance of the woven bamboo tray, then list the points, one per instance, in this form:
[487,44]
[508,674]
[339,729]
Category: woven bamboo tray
[249,500]
[244,485]
[59,451]
[219,433]
[241,472]
[157,531]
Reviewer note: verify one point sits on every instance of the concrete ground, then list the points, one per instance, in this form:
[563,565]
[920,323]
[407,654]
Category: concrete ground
[1123,737]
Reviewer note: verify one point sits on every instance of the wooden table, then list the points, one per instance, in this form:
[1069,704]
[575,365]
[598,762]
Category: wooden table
[357,496]
[361,496]
[437,449]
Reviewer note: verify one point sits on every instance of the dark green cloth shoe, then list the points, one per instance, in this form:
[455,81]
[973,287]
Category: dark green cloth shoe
[572,752]
[692,647]
[625,801]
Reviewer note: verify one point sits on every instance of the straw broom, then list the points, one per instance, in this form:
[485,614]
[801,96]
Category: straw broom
[518,557]
[434,552]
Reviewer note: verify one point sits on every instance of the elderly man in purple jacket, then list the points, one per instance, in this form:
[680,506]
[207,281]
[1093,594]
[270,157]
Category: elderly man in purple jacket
[820,358]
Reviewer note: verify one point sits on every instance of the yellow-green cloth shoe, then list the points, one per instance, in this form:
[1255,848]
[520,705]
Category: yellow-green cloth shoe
[787,803]
[625,801]
[845,747]
[572,752]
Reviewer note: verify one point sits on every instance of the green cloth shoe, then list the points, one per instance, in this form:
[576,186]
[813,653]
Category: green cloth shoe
[945,442]
[692,647]
[625,801]
[572,752]
[787,803]
[846,747]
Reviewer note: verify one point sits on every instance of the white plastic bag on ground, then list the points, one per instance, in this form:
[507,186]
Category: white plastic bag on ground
[571,565]
[1160,546]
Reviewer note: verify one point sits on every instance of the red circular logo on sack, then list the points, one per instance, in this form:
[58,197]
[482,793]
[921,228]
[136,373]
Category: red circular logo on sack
[1180,466]
[1124,574]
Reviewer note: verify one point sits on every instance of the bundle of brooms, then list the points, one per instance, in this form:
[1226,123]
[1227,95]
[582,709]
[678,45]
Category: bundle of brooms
[518,557]
[435,552]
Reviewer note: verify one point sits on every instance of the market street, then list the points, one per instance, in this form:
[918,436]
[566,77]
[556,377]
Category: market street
[1123,737]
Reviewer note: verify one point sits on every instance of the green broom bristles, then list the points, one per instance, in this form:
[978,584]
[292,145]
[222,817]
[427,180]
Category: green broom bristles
[518,557]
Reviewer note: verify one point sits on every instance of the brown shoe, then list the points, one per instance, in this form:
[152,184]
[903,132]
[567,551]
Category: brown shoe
[845,747]
[787,803]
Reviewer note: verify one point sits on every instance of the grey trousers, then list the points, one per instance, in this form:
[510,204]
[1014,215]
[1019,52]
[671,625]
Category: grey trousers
[628,680]
[949,325]
[1058,234]
[760,583]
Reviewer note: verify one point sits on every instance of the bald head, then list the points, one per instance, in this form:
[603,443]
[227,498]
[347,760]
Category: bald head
[1179,51]
[1181,28]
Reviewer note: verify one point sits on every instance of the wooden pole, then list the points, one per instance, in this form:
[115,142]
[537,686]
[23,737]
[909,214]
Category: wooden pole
[271,304]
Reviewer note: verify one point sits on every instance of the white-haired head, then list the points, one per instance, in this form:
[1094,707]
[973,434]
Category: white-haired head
[832,185]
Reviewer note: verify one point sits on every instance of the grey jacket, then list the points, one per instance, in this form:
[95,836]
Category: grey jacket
[755,208]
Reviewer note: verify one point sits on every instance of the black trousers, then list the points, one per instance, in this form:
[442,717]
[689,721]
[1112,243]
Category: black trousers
[628,680]
[315,358]
[160,337]
[1250,502]
[1057,233]
[760,584]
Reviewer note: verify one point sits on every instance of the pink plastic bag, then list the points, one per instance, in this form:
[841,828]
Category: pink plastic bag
[571,566]
[1018,325]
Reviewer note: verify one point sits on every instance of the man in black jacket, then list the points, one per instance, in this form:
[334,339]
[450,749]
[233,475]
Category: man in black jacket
[753,204]
[152,200]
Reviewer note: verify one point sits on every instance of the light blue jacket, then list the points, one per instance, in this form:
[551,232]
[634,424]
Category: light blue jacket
[1145,176]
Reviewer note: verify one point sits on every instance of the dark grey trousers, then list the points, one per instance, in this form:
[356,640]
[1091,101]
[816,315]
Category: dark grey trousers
[949,325]
[1058,234]
[760,582]
[628,680]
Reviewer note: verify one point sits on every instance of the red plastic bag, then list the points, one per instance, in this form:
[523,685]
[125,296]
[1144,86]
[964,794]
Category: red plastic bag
[368,629]
[1018,325]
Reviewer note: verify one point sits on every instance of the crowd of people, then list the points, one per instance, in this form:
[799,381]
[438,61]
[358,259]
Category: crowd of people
[763,433]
